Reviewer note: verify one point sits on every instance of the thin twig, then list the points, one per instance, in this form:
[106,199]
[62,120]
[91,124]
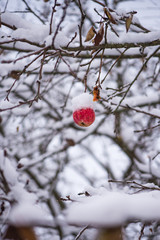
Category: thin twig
[71,71]
[85,77]
[29,8]
[68,95]
[82,21]
[103,5]
[86,74]
[6,5]
[105,34]
[113,30]
[22,40]
[143,187]
[104,18]
[113,95]
[75,35]
[136,110]
[114,64]
[100,68]
[142,232]
[53,11]
[82,231]
[136,77]
[94,56]
[42,63]
[19,74]
[147,129]
[62,19]
[28,102]
[26,56]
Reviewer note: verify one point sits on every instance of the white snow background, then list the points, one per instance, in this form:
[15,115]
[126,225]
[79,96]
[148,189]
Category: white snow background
[119,206]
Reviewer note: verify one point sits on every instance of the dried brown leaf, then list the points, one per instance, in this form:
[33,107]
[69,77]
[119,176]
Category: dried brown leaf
[90,34]
[128,22]
[110,16]
[99,36]
[96,94]
[14,74]
[70,142]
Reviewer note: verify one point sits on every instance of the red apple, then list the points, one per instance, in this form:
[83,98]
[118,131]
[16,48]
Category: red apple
[84,117]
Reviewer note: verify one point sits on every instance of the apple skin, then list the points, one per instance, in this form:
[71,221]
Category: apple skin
[84,117]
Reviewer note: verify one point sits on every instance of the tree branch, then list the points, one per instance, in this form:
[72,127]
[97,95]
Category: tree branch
[136,77]
[29,8]
[114,46]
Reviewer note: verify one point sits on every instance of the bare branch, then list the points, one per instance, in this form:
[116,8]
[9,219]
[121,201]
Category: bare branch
[60,22]
[82,21]
[80,233]
[22,40]
[53,11]
[114,46]
[142,232]
[113,65]
[29,8]
[135,79]
[147,129]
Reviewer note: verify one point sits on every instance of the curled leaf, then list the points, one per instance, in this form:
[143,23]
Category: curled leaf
[128,22]
[110,16]
[99,36]
[96,94]
[90,34]
[70,142]
[14,74]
